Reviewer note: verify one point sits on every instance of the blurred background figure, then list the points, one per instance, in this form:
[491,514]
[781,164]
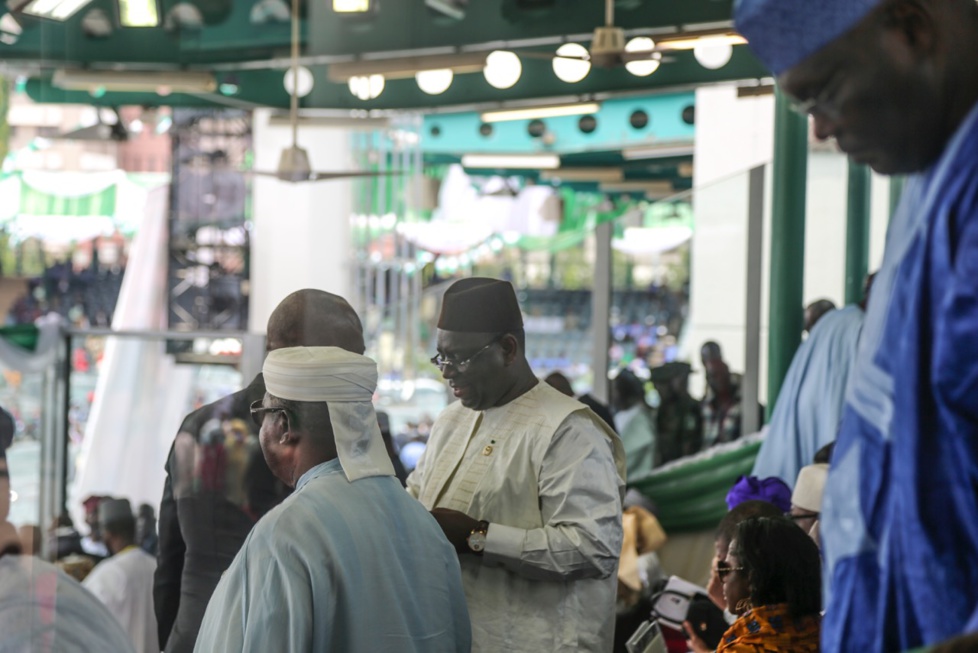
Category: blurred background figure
[561,383]
[30,539]
[9,539]
[678,420]
[44,609]
[384,421]
[634,423]
[771,489]
[809,407]
[721,402]
[146,537]
[92,543]
[63,538]
[815,311]
[806,499]
[124,582]
[639,570]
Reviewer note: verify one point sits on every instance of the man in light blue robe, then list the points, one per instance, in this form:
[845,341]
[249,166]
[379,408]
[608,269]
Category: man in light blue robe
[44,609]
[809,407]
[349,562]
[895,82]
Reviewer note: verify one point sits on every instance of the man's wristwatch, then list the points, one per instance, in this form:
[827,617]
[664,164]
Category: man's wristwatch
[477,538]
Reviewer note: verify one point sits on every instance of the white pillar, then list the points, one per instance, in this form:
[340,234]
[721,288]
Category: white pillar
[301,235]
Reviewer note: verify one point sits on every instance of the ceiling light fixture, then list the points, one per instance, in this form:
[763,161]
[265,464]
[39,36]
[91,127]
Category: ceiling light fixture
[353,6]
[539,113]
[305,79]
[139,13]
[367,87]
[434,82]
[689,42]
[407,67]
[503,69]
[645,67]
[53,9]
[513,161]
[713,52]
[134,82]
[571,70]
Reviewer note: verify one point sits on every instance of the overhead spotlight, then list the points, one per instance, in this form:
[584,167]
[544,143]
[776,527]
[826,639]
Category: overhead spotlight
[53,9]
[645,67]
[96,24]
[304,85]
[269,11]
[503,69]
[183,16]
[139,13]
[571,64]
[713,52]
[434,82]
[367,87]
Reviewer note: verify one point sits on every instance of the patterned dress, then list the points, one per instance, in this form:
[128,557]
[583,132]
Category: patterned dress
[770,629]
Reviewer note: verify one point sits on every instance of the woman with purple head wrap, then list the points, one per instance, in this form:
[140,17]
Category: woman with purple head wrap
[771,489]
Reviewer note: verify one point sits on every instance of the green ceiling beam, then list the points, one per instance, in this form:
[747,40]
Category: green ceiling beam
[265,88]
[234,39]
[402,25]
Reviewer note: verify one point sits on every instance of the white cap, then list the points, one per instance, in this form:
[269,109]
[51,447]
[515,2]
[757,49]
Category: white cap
[346,382]
[809,487]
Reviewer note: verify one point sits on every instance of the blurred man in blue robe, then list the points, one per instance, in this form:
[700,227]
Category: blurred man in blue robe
[349,562]
[895,82]
[809,407]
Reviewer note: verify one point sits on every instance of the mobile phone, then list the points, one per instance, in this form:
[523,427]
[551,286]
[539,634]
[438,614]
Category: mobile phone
[647,639]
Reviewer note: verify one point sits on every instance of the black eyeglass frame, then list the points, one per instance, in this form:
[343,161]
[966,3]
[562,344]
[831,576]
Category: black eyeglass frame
[441,362]
[258,412]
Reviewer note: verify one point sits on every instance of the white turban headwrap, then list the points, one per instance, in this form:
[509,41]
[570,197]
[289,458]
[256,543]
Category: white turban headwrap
[809,487]
[346,382]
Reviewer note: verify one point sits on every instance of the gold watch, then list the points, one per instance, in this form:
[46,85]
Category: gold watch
[477,538]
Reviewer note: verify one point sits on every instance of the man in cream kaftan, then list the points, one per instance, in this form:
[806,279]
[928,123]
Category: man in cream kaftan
[527,485]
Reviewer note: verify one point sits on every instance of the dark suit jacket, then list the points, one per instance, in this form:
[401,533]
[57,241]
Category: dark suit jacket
[599,409]
[214,494]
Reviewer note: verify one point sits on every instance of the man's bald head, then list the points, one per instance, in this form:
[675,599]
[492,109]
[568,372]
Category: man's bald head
[560,383]
[314,318]
[815,311]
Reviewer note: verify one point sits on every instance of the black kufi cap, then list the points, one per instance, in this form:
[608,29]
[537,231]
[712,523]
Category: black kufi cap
[480,305]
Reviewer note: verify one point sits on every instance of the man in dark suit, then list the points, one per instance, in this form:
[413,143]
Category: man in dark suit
[218,484]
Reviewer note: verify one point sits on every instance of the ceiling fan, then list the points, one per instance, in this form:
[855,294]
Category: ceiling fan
[293,164]
[608,46]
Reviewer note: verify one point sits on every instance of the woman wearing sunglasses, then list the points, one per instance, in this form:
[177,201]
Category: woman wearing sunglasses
[772,582]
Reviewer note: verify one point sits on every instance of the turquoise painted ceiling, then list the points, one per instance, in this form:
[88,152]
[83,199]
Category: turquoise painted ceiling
[248,58]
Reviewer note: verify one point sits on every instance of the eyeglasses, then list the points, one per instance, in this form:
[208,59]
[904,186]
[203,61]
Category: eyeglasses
[441,362]
[810,515]
[258,412]
[724,571]
[823,103]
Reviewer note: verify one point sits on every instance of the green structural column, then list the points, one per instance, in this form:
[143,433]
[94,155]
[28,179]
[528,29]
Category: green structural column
[857,231]
[790,178]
